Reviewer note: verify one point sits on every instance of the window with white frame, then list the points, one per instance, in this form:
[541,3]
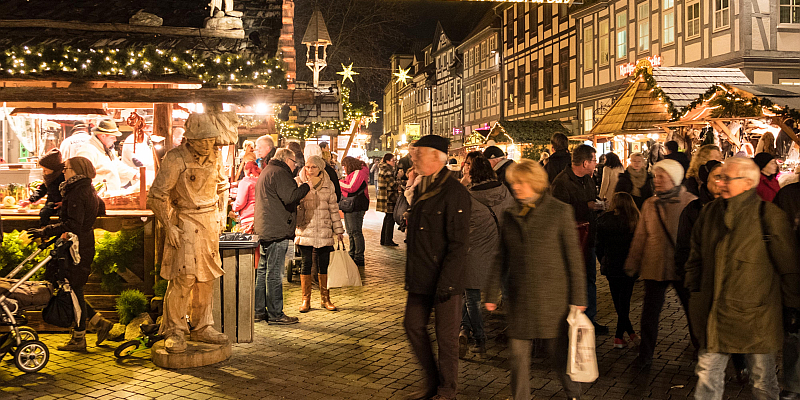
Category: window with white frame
[669,22]
[693,20]
[790,11]
[643,17]
[588,47]
[588,119]
[603,45]
[722,13]
[622,34]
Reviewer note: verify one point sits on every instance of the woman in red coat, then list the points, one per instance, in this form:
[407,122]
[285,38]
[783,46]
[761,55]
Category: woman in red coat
[768,187]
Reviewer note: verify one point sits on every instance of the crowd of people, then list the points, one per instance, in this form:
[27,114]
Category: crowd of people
[722,233]
[525,236]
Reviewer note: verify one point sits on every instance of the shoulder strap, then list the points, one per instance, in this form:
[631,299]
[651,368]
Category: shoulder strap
[765,235]
[664,226]
[496,222]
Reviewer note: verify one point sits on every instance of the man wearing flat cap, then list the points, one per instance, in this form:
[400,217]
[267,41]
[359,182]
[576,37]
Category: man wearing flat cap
[438,233]
[100,151]
[187,196]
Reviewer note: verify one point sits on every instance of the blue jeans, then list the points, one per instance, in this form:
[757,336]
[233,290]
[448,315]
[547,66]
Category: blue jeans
[269,279]
[353,222]
[471,318]
[711,375]
[591,283]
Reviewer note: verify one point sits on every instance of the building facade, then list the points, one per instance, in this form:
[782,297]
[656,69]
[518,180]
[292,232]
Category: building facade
[758,36]
[392,114]
[482,89]
[447,105]
[539,63]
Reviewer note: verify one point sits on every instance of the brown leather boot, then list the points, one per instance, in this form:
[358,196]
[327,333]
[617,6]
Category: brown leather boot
[325,293]
[305,284]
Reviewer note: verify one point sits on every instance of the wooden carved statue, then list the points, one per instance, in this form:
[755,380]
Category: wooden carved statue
[188,196]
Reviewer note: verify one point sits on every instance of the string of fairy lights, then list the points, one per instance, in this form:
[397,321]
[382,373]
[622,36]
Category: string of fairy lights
[143,62]
[727,103]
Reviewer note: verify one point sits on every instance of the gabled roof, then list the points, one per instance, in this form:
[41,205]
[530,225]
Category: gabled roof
[782,95]
[684,85]
[317,32]
[637,111]
[530,132]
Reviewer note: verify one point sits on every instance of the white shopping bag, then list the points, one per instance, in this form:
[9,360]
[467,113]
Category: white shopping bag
[342,270]
[582,361]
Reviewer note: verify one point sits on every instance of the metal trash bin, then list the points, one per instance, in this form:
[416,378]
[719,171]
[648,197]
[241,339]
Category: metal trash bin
[233,307]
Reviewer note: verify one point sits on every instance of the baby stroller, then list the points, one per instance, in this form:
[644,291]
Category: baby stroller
[16,296]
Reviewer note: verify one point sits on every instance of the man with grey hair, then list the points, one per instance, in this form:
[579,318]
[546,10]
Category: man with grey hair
[743,273]
[277,196]
[265,150]
[438,234]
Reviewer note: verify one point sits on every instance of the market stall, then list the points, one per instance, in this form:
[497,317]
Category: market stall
[653,98]
[523,139]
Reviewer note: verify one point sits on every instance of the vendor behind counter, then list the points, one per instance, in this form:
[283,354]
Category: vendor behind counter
[100,151]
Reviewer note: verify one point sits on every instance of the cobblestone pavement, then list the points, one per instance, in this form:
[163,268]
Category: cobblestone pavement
[359,352]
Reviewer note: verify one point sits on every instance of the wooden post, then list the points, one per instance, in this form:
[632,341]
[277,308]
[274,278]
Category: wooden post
[142,188]
[162,122]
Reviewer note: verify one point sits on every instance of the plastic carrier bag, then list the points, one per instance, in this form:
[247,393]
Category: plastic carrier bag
[342,270]
[582,360]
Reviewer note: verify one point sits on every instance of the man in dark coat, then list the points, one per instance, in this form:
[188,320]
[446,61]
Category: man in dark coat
[500,163]
[438,237]
[576,187]
[277,195]
[674,154]
[560,159]
[265,150]
[743,271]
[788,199]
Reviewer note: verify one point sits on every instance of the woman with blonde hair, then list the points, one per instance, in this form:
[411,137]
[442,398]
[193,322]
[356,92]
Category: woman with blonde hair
[540,254]
[636,180]
[318,225]
[615,230]
[704,154]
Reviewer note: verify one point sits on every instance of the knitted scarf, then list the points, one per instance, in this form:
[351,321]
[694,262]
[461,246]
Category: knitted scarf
[638,178]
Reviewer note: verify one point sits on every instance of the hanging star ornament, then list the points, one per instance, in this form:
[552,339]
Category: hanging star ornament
[347,73]
[402,75]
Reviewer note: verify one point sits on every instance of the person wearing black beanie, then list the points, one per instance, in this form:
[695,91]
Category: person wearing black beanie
[768,187]
[53,176]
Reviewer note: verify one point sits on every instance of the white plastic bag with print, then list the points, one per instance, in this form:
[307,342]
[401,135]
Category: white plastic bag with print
[342,270]
[582,360]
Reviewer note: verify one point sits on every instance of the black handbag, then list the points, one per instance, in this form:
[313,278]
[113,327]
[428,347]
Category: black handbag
[350,203]
[59,310]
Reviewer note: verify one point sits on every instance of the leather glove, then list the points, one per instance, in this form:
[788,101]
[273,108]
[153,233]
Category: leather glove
[444,294]
[36,233]
[791,319]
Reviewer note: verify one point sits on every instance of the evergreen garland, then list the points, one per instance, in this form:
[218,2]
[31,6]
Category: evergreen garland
[143,62]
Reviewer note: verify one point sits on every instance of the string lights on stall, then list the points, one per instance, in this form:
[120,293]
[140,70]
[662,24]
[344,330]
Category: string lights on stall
[725,101]
[142,63]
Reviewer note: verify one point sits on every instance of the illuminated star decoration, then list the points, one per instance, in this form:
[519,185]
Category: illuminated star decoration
[402,75]
[347,73]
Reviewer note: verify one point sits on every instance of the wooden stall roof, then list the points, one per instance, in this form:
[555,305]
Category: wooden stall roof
[637,111]
[684,85]
[782,95]
[532,132]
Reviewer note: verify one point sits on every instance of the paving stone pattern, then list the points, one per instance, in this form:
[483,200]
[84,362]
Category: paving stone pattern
[359,352]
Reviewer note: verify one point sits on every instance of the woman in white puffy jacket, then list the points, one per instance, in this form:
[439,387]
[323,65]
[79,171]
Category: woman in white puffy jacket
[318,226]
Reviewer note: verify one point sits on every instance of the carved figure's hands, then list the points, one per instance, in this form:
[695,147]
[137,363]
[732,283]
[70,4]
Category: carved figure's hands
[174,236]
